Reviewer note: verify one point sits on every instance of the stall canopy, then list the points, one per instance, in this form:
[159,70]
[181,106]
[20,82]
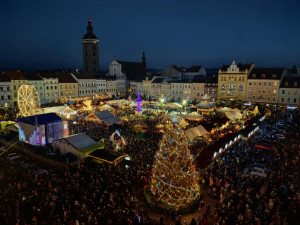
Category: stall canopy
[195,132]
[176,119]
[174,104]
[104,116]
[224,109]
[194,116]
[116,102]
[234,115]
[106,107]
[205,105]
[132,104]
[205,97]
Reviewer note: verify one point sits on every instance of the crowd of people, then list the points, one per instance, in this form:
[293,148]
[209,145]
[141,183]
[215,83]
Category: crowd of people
[251,199]
[90,193]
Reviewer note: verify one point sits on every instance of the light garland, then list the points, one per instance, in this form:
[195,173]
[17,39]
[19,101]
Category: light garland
[174,179]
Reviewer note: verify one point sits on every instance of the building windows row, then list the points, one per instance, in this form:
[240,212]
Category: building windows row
[288,100]
[3,97]
[4,88]
[290,92]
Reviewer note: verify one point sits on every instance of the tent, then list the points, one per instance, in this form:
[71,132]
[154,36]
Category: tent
[115,102]
[206,105]
[195,132]
[206,97]
[176,119]
[106,107]
[234,115]
[132,104]
[224,109]
[67,112]
[193,116]
[104,116]
[174,105]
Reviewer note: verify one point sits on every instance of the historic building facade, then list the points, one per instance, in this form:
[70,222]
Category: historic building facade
[263,85]
[232,81]
[289,92]
[5,91]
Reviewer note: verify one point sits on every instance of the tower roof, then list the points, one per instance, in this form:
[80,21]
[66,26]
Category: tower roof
[89,34]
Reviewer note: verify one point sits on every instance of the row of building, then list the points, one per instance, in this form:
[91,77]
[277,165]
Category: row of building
[235,82]
[267,86]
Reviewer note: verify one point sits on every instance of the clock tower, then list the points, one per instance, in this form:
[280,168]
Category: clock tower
[90,51]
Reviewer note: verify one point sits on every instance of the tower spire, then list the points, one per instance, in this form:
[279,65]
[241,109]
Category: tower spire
[89,28]
[144,59]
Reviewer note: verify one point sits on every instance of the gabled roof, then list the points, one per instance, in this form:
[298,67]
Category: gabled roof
[32,76]
[47,75]
[242,67]
[107,117]
[84,76]
[66,78]
[4,77]
[266,73]
[80,141]
[134,70]
[15,75]
[290,82]
[194,69]
[158,80]
[41,119]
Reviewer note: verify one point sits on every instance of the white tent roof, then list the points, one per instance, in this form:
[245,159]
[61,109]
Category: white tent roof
[176,119]
[132,104]
[193,116]
[174,104]
[115,102]
[225,109]
[105,107]
[196,132]
[205,105]
[234,115]
[206,97]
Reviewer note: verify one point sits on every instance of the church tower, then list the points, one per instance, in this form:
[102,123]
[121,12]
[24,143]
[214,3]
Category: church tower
[144,59]
[90,51]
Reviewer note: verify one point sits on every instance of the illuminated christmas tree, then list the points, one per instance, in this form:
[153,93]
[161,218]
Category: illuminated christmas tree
[174,179]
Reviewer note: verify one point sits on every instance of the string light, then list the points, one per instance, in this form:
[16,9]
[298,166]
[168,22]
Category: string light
[174,178]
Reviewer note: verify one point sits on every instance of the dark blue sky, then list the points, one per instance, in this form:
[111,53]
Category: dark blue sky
[47,34]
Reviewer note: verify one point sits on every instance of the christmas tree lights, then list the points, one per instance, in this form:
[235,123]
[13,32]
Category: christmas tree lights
[174,179]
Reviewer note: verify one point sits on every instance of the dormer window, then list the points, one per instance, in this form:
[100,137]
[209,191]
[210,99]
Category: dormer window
[253,75]
[286,84]
[263,75]
[295,84]
[273,75]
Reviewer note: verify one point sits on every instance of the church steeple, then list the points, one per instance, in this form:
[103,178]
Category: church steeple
[90,51]
[144,59]
[89,31]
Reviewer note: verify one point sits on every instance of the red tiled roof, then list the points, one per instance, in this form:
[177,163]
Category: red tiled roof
[84,76]
[4,77]
[66,78]
[15,75]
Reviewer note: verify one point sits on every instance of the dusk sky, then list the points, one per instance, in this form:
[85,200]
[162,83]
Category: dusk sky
[47,34]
